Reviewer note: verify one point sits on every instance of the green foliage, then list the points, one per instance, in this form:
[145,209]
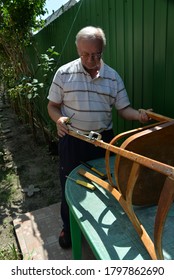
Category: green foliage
[32,90]
[10,253]
[7,176]
[17,20]
[19,17]
[30,87]
[27,87]
[47,60]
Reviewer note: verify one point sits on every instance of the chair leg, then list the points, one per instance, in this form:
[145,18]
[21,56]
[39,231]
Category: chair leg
[165,202]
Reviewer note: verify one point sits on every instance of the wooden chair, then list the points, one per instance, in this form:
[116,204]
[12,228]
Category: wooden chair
[144,174]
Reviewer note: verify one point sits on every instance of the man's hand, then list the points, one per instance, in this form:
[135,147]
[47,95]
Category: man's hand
[62,128]
[143,117]
[54,111]
[130,113]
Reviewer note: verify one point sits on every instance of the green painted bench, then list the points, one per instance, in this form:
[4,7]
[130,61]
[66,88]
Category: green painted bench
[106,227]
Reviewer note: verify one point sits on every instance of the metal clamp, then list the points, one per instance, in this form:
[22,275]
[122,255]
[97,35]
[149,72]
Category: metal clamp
[94,135]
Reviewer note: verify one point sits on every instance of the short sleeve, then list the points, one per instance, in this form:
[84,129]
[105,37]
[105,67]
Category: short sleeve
[56,89]
[122,99]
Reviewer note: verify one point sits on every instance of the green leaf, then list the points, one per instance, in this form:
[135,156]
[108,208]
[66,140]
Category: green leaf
[29,96]
[35,81]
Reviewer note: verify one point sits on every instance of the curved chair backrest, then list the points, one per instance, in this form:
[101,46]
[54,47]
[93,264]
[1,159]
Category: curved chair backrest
[156,143]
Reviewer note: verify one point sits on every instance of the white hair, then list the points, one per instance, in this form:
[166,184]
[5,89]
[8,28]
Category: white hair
[91,33]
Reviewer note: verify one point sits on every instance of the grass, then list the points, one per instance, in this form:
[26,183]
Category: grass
[7,192]
[7,178]
[10,253]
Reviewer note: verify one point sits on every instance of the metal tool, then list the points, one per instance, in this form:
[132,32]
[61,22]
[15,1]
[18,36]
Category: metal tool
[68,121]
[82,183]
[93,135]
[102,175]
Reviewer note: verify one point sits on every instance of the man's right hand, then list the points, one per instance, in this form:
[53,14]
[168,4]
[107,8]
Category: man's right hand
[54,111]
[62,128]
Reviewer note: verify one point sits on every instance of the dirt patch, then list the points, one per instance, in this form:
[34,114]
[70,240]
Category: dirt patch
[28,173]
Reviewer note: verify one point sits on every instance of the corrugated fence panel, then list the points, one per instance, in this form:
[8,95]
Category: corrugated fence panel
[140,46]
[138,52]
[169,78]
[148,53]
[120,52]
[160,40]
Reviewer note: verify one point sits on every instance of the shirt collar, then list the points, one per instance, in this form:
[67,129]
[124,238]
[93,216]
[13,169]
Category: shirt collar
[101,70]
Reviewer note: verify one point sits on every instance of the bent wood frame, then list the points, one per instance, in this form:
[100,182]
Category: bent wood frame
[125,196]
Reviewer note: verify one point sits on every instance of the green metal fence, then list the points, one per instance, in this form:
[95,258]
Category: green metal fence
[140,46]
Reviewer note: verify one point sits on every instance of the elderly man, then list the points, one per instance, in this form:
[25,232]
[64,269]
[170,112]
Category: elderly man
[86,89]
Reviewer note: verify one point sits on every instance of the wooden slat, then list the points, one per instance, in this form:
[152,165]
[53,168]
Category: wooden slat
[165,202]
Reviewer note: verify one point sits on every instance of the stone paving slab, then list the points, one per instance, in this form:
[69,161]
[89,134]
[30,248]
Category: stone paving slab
[37,233]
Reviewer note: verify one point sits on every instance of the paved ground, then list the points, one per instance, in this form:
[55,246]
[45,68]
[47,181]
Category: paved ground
[37,233]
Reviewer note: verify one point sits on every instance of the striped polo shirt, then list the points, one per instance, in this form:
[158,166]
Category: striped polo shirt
[91,99]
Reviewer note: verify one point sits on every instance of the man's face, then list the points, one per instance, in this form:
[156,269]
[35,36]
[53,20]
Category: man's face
[90,52]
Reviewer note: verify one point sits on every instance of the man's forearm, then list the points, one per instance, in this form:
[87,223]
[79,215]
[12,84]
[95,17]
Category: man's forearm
[54,112]
[129,113]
